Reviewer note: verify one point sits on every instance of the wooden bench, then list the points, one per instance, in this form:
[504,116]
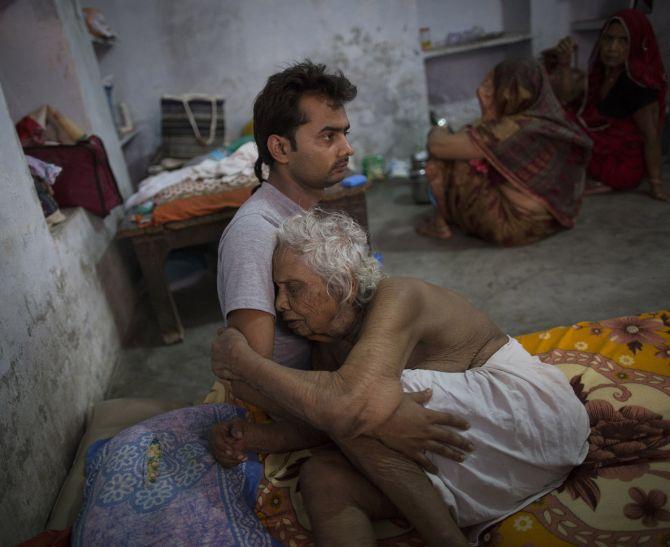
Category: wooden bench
[153,243]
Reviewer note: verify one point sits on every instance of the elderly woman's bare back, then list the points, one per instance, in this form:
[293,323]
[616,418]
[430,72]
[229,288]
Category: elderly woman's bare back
[451,334]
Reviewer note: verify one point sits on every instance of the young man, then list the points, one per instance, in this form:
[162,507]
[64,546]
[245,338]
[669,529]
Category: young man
[300,128]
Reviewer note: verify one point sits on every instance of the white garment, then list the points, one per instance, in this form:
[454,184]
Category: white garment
[240,162]
[528,428]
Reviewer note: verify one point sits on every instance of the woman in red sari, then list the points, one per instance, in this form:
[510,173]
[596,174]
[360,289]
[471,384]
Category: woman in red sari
[623,103]
[515,176]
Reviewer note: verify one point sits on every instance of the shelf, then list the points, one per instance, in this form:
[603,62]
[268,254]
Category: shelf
[506,39]
[127,138]
[587,25]
[102,42]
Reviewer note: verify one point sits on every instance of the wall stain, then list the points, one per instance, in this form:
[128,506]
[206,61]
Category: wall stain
[391,100]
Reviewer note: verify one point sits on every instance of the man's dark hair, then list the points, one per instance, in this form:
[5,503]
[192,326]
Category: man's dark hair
[276,110]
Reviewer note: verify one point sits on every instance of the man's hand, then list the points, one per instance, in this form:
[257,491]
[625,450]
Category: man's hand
[414,430]
[226,441]
[226,349]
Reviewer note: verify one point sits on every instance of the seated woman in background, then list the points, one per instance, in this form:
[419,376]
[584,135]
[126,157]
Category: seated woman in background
[515,176]
[622,102]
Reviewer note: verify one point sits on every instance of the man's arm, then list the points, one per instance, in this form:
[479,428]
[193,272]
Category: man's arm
[444,145]
[258,328]
[230,440]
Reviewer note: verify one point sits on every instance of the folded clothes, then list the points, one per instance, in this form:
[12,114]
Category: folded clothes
[48,171]
[235,170]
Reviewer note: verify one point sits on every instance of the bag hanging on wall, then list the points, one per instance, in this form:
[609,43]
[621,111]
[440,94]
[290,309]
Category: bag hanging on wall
[86,180]
[191,124]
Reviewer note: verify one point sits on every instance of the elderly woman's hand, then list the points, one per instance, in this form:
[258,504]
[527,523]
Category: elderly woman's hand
[414,430]
[486,98]
[226,441]
[226,349]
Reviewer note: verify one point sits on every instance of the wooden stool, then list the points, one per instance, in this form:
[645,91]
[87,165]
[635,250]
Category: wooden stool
[153,243]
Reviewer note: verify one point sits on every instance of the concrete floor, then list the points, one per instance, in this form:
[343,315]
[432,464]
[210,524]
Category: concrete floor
[616,261]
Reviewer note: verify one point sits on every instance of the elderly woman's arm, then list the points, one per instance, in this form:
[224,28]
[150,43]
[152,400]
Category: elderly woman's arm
[365,392]
[566,82]
[444,145]
[646,120]
[344,403]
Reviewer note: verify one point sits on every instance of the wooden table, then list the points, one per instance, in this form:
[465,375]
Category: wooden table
[153,243]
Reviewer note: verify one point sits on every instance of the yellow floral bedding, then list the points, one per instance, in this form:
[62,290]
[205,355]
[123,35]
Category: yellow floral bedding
[620,370]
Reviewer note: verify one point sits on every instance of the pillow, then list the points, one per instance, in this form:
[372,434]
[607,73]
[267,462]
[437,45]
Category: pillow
[103,421]
[157,483]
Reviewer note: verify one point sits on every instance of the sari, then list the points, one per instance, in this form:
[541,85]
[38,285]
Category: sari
[618,146]
[531,181]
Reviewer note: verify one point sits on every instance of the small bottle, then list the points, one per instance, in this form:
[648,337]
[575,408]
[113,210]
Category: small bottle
[424,36]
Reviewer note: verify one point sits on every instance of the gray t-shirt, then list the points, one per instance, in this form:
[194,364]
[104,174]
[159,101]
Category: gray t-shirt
[244,279]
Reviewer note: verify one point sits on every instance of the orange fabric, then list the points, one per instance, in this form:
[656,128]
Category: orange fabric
[197,206]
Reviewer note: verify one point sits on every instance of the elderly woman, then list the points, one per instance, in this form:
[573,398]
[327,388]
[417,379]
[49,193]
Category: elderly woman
[528,427]
[622,105]
[515,176]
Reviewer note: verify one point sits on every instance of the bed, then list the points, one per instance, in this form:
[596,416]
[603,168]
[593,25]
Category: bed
[619,369]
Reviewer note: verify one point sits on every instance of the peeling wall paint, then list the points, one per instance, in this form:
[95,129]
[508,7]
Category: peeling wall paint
[58,342]
[58,338]
[230,48]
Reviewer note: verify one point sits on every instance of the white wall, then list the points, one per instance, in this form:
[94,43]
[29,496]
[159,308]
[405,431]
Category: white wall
[445,16]
[550,22]
[58,342]
[46,57]
[59,338]
[36,65]
[229,48]
[452,79]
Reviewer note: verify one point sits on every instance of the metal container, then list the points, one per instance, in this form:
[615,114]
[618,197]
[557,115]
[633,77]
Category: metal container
[417,178]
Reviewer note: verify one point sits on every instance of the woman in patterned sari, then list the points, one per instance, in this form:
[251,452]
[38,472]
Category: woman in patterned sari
[515,176]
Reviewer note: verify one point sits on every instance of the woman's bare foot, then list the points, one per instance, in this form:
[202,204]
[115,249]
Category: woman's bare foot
[433,226]
[593,187]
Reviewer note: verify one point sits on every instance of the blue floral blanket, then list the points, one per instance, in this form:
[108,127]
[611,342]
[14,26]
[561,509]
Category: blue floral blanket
[157,483]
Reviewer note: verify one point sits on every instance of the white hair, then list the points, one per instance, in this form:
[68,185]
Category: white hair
[336,248]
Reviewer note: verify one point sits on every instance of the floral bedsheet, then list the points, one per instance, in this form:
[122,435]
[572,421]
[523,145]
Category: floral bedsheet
[620,370]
